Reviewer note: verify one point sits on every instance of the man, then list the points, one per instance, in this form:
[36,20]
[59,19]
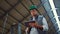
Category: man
[40,26]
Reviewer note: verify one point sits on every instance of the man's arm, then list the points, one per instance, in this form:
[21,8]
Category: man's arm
[45,25]
[38,26]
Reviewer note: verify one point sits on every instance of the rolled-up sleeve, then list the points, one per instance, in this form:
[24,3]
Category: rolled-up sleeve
[45,25]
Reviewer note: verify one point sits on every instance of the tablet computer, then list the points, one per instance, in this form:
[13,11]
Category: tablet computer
[27,23]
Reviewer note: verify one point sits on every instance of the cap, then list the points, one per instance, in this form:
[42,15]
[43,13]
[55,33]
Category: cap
[32,7]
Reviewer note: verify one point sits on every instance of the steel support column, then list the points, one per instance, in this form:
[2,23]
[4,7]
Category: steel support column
[12,29]
[4,24]
[19,28]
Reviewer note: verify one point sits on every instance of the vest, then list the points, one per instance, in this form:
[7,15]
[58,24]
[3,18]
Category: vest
[39,21]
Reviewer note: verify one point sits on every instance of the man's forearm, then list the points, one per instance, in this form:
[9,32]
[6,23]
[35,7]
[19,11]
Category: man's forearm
[39,27]
[36,26]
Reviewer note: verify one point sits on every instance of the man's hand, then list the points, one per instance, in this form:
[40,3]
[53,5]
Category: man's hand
[33,24]
[36,26]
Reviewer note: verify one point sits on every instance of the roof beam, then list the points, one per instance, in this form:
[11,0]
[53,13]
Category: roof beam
[13,18]
[10,8]
[1,14]
[18,12]
[4,28]
[24,6]
[15,8]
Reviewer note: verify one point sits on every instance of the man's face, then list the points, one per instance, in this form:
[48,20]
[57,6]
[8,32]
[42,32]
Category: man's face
[33,12]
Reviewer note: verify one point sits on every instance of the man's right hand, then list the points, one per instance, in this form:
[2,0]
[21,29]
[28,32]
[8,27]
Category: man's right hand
[36,26]
[33,24]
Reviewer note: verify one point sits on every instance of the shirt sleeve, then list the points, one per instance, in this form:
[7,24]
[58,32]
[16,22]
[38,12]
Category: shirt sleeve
[45,25]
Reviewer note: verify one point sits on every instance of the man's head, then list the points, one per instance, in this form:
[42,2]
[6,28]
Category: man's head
[33,10]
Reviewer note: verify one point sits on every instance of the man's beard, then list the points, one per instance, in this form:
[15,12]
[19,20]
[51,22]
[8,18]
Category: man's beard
[35,15]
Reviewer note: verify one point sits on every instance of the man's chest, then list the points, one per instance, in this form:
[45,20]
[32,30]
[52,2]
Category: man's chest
[38,19]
